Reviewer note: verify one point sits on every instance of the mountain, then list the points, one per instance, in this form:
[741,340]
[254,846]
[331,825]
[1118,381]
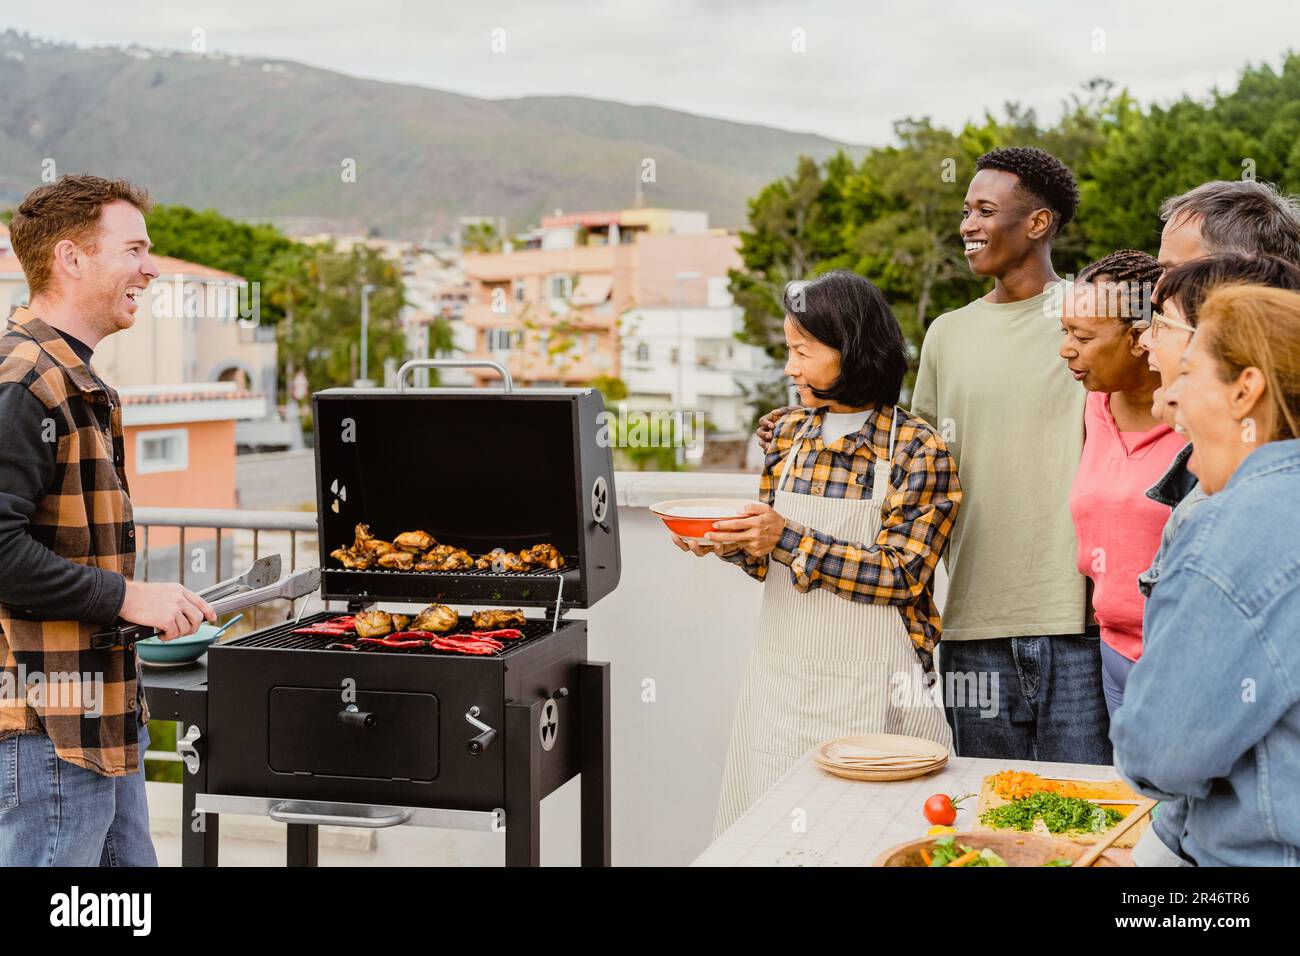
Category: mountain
[266,140]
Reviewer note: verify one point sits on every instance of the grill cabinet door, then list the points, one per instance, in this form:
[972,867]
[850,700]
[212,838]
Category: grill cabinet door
[307,736]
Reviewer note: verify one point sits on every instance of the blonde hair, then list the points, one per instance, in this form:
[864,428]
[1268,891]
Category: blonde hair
[1252,326]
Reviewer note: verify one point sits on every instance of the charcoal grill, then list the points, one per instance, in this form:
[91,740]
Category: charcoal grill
[380,736]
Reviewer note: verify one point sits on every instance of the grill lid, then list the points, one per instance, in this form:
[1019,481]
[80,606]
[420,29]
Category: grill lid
[477,469]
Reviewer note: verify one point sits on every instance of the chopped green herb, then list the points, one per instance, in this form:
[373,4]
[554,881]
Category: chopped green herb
[1059,861]
[1060,814]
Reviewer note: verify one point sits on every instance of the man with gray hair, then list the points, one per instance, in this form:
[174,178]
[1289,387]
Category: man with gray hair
[1229,215]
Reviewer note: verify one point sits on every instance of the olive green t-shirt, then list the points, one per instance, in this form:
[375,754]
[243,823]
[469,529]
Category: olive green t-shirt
[992,383]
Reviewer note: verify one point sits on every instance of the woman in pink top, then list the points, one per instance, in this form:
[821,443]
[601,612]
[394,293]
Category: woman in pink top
[1125,450]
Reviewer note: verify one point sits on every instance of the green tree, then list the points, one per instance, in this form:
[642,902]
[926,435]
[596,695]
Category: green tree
[324,337]
[796,231]
[480,237]
[210,239]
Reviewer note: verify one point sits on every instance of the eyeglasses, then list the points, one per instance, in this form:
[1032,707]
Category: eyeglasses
[1157,321]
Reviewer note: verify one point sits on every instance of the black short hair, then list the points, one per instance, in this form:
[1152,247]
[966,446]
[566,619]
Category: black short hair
[1043,176]
[1188,285]
[847,312]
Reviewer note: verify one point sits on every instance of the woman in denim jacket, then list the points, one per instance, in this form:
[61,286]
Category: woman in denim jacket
[1211,714]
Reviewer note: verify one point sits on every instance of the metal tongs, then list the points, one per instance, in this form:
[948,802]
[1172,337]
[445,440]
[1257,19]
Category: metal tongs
[259,584]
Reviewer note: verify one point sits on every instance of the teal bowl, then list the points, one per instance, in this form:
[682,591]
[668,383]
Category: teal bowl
[183,650]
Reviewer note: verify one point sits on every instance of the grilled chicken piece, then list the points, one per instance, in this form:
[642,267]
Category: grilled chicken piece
[543,556]
[414,541]
[366,543]
[435,617]
[373,623]
[492,620]
[458,560]
[438,553]
[397,560]
[503,561]
[485,560]
[399,621]
[351,561]
[426,566]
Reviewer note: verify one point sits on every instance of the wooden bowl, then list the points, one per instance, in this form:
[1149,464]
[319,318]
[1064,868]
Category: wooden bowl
[1018,849]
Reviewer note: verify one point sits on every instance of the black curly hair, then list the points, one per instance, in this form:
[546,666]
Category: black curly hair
[1132,276]
[1043,176]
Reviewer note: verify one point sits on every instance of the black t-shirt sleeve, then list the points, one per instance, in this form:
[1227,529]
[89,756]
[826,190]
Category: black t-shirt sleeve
[32,577]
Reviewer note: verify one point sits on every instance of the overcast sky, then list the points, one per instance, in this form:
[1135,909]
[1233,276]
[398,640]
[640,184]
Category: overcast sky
[866,63]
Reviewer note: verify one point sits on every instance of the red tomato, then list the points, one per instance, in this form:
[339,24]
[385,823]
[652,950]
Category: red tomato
[940,810]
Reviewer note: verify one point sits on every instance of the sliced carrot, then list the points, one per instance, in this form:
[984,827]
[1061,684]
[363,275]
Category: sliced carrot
[965,858]
[925,855]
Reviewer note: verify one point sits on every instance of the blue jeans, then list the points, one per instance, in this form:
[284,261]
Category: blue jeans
[1114,674]
[53,813]
[1026,698]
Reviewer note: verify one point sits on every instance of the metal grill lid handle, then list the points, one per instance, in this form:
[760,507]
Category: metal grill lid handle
[507,383]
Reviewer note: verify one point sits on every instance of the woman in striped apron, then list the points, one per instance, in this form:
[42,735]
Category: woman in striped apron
[848,625]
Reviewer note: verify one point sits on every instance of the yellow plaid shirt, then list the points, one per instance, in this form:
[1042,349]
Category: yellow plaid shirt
[916,519]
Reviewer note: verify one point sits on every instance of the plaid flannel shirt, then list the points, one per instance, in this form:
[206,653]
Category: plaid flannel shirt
[84,517]
[916,519]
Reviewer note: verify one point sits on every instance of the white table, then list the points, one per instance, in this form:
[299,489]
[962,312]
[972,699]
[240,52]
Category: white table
[812,818]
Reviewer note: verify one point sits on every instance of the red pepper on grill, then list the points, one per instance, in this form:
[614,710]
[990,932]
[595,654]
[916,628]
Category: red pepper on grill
[340,645]
[504,633]
[463,647]
[347,622]
[473,639]
[466,644]
[393,640]
[327,630]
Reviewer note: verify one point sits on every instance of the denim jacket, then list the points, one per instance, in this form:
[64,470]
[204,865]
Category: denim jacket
[1212,709]
[1179,490]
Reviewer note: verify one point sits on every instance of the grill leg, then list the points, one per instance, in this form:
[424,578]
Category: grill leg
[200,832]
[303,848]
[593,701]
[523,784]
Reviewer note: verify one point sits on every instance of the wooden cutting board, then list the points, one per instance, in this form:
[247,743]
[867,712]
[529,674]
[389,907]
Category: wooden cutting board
[1096,790]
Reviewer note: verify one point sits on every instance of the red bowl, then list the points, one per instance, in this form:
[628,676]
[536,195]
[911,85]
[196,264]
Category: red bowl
[693,518]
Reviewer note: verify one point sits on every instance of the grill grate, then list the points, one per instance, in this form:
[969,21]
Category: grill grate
[283,638]
[570,565]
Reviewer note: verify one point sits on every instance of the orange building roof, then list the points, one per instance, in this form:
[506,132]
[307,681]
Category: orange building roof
[166,398]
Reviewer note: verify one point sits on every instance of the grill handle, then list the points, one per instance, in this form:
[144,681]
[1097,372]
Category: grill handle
[280,813]
[355,717]
[507,383]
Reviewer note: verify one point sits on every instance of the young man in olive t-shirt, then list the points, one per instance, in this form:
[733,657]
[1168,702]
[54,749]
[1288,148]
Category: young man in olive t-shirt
[991,380]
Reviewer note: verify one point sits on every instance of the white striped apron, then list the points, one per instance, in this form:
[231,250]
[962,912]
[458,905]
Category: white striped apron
[824,666]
